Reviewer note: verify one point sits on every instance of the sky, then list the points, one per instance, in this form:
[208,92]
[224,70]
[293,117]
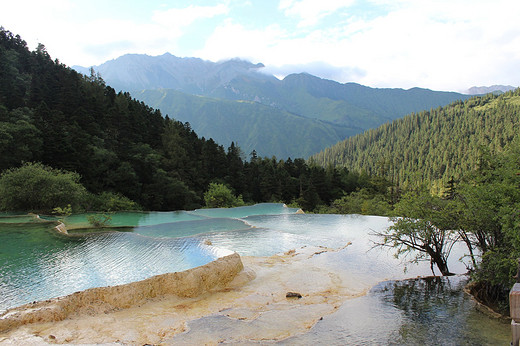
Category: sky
[447,45]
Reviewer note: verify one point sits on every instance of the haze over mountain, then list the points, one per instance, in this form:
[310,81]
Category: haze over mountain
[324,109]
[132,72]
[489,89]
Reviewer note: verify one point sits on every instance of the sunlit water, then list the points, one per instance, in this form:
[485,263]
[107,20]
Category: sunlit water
[37,263]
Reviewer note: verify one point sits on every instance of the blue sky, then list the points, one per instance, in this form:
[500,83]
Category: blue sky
[436,44]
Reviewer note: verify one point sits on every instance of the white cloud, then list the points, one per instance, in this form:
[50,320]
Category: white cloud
[181,17]
[99,36]
[443,45]
[231,40]
[310,12]
[29,18]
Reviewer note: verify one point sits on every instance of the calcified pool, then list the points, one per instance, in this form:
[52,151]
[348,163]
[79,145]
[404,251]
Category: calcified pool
[38,263]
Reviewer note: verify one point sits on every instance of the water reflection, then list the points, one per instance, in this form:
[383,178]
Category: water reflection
[431,311]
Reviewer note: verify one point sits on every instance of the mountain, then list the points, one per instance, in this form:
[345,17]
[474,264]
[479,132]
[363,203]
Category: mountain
[489,89]
[348,104]
[250,125]
[350,107]
[133,72]
[431,146]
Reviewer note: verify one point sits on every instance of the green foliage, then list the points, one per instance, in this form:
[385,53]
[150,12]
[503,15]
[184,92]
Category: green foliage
[422,231]
[294,117]
[431,146]
[99,220]
[110,202]
[482,210]
[221,196]
[53,115]
[65,211]
[491,195]
[266,129]
[362,202]
[498,267]
[38,188]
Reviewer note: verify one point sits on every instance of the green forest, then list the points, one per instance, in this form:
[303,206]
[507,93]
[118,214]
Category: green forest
[432,146]
[55,122]
[253,125]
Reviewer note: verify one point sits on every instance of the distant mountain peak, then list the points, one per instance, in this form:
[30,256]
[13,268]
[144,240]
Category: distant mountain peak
[479,90]
[132,72]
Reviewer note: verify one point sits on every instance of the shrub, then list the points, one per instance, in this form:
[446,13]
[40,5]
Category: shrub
[38,188]
[99,220]
[221,196]
[109,201]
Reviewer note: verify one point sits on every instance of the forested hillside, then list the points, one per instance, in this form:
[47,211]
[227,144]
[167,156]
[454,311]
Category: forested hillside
[55,116]
[431,146]
[252,125]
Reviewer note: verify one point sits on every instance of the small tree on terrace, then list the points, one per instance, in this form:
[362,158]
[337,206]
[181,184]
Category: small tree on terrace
[423,231]
[221,196]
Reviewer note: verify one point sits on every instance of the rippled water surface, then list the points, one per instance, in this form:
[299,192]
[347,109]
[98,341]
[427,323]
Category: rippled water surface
[37,263]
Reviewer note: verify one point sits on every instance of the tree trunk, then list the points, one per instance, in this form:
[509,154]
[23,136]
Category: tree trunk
[441,263]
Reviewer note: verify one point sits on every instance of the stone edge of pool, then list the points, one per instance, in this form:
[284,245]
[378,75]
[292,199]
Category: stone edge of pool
[187,284]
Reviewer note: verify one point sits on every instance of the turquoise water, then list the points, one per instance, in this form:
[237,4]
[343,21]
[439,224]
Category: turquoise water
[241,212]
[38,263]
[138,219]
[17,218]
[131,219]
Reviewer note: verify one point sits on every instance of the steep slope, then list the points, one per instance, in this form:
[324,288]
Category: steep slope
[431,146]
[251,125]
[118,146]
[51,114]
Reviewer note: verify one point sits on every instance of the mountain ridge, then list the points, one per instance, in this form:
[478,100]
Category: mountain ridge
[481,90]
[149,72]
[344,105]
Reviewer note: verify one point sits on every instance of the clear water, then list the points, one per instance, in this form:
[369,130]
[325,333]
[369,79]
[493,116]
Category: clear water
[138,219]
[132,219]
[38,263]
[432,311]
[241,212]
